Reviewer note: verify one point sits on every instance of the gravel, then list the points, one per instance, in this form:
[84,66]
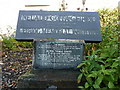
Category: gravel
[15,63]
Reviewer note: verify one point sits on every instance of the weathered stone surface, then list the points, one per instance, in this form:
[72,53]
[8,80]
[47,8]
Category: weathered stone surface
[48,78]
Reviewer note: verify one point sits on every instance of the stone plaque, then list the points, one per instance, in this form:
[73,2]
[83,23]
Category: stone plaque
[58,25]
[57,55]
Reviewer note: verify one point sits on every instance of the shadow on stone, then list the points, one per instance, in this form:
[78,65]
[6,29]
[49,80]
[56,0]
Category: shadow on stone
[49,78]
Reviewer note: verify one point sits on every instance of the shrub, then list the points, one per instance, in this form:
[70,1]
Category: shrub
[101,68]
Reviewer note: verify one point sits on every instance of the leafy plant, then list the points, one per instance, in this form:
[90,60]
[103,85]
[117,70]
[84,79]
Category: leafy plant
[101,69]
[11,43]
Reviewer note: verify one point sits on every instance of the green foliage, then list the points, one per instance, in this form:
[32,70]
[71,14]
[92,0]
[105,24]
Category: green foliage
[101,69]
[11,43]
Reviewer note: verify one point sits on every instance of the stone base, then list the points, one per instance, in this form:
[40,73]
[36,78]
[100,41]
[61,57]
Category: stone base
[49,78]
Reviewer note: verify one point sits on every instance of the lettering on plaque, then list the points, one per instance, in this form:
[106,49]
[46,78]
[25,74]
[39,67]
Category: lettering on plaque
[58,25]
[58,55]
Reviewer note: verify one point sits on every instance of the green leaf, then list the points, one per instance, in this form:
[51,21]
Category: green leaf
[86,85]
[104,55]
[109,59]
[80,87]
[112,77]
[92,75]
[101,61]
[90,81]
[95,73]
[115,64]
[99,79]
[96,86]
[109,71]
[30,60]
[79,78]
[80,65]
[103,67]
[111,85]
[91,67]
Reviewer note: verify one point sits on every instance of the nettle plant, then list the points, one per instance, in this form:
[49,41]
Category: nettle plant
[101,67]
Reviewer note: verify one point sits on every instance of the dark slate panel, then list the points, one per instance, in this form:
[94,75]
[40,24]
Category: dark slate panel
[58,25]
[57,55]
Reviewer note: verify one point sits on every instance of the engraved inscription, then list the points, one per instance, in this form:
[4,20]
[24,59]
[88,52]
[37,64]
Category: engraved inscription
[69,18]
[57,31]
[58,55]
[58,25]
